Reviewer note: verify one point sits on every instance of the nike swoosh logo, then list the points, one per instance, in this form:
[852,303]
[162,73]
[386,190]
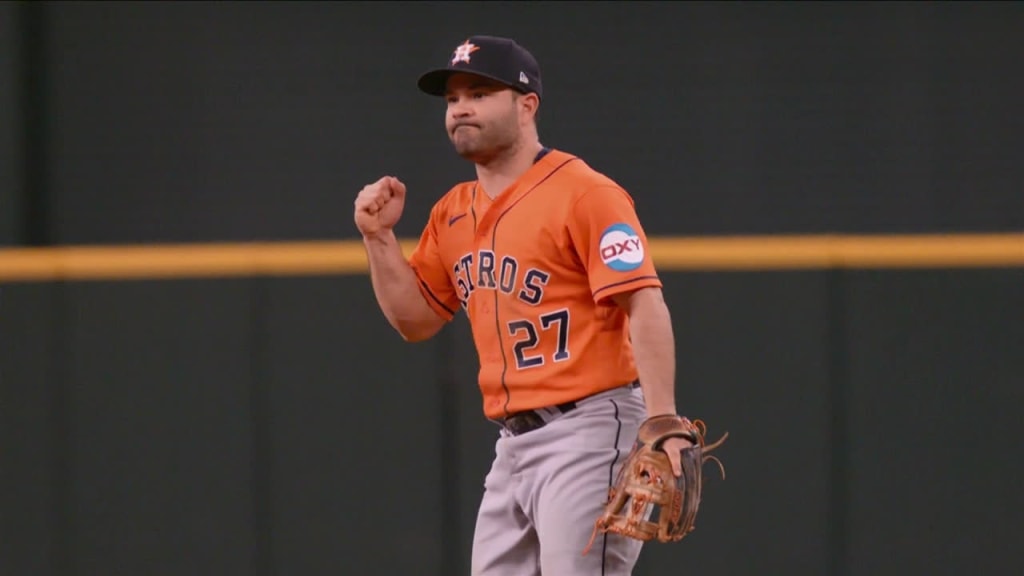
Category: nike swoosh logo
[455,219]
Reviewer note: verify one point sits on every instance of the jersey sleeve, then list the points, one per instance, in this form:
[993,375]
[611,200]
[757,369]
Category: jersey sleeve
[434,282]
[609,240]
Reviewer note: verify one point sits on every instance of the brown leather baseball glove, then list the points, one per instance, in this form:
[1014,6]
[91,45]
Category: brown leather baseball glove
[647,500]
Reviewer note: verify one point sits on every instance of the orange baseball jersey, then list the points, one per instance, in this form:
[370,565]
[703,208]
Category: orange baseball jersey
[534,269]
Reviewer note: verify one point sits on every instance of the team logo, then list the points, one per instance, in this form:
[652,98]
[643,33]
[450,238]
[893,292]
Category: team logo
[463,51]
[621,248]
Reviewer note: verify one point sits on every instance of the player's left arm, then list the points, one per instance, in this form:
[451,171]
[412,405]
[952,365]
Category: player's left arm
[650,330]
[609,239]
[654,349]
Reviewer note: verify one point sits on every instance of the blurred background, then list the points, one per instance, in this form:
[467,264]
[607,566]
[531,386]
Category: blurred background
[274,424]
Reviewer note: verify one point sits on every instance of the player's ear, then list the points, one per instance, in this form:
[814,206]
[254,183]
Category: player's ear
[529,104]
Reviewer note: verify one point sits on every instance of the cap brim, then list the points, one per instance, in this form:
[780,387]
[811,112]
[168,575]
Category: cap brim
[435,82]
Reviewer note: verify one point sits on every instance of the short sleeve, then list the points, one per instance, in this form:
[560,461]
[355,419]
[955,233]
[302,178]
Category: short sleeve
[434,282]
[606,233]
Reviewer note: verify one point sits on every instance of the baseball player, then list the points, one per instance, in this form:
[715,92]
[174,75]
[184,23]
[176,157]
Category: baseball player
[550,264]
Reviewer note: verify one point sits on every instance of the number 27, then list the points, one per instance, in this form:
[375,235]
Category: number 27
[559,319]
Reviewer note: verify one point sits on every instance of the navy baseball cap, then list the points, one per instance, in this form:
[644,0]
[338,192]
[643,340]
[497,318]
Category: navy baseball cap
[500,59]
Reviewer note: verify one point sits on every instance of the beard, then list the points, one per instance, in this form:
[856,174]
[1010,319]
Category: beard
[482,143]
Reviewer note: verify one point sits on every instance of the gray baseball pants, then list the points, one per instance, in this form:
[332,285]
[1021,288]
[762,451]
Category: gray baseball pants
[546,488]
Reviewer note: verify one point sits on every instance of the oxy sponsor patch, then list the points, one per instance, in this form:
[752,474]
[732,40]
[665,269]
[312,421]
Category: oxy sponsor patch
[621,248]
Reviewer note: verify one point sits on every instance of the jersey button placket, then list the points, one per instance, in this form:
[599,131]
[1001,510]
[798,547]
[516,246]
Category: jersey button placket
[488,307]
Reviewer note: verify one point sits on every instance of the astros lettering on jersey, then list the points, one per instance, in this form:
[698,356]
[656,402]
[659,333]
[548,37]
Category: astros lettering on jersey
[534,269]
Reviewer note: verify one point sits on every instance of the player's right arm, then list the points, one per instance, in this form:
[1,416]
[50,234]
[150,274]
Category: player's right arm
[396,286]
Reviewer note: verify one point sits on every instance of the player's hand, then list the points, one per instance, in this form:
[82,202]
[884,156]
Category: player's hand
[672,447]
[379,206]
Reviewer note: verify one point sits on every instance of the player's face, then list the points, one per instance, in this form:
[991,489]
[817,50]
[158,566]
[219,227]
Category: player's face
[483,117]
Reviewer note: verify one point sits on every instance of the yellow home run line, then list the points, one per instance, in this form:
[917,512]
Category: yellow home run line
[765,253]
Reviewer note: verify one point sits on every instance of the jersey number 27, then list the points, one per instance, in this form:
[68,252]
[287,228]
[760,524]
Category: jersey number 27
[528,337]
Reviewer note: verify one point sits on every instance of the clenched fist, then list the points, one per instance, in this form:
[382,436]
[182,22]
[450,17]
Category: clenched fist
[379,206]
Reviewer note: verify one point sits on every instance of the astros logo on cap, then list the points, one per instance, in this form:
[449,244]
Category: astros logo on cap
[463,51]
[621,248]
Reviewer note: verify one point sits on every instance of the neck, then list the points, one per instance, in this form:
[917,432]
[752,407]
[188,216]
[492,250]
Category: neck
[499,173]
